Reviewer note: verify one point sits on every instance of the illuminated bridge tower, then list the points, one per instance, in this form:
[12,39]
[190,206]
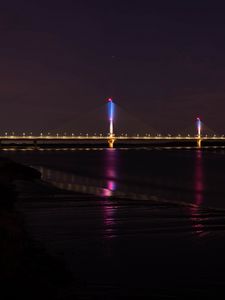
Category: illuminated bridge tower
[111,109]
[199,128]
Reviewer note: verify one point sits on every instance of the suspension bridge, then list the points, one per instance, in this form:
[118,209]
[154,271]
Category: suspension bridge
[111,139]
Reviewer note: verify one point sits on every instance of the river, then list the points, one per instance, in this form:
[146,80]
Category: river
[143,222]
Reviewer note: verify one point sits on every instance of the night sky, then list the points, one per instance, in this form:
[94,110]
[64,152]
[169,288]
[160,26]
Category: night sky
[163,64]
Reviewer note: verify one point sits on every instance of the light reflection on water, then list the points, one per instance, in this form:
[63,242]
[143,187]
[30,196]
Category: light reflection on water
[108,186]
[101,187]
[109,210]
[199,187]
[104,188]
[109,182]
[199,179]
[111,162]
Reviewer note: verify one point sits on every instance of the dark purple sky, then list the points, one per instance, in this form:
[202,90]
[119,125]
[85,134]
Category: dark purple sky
[60,60]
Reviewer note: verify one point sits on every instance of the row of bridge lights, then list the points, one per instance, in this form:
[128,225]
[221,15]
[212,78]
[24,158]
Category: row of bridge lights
[49,134]
[122,134]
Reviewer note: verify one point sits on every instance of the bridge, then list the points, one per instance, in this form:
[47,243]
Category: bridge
[111,138]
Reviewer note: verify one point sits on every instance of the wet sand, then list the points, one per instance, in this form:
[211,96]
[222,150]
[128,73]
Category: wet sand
[125,249]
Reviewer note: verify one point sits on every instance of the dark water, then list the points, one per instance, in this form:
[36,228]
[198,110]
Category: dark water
[183,176]
[153,224]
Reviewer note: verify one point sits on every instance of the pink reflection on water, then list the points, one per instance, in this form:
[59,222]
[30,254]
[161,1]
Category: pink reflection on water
[106,193]
[110,163]
[109,208]
[199,185]
[111,185]
[198,194]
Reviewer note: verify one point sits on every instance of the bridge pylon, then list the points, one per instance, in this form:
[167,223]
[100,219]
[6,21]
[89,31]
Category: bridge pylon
[199,129]
[111,108]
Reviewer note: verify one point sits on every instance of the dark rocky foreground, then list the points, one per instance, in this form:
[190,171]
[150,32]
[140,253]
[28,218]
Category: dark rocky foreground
[26,270]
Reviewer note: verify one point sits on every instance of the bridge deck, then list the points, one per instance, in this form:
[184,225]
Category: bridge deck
[101,137]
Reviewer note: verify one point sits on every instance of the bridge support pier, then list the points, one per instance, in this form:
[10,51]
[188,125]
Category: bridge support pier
[199,143]
[111,141]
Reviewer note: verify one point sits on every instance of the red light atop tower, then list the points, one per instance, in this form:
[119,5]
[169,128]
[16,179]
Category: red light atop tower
[110,99]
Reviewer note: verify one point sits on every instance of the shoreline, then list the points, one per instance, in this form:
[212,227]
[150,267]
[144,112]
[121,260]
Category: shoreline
[74,227]
[85,243]
[26,269]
